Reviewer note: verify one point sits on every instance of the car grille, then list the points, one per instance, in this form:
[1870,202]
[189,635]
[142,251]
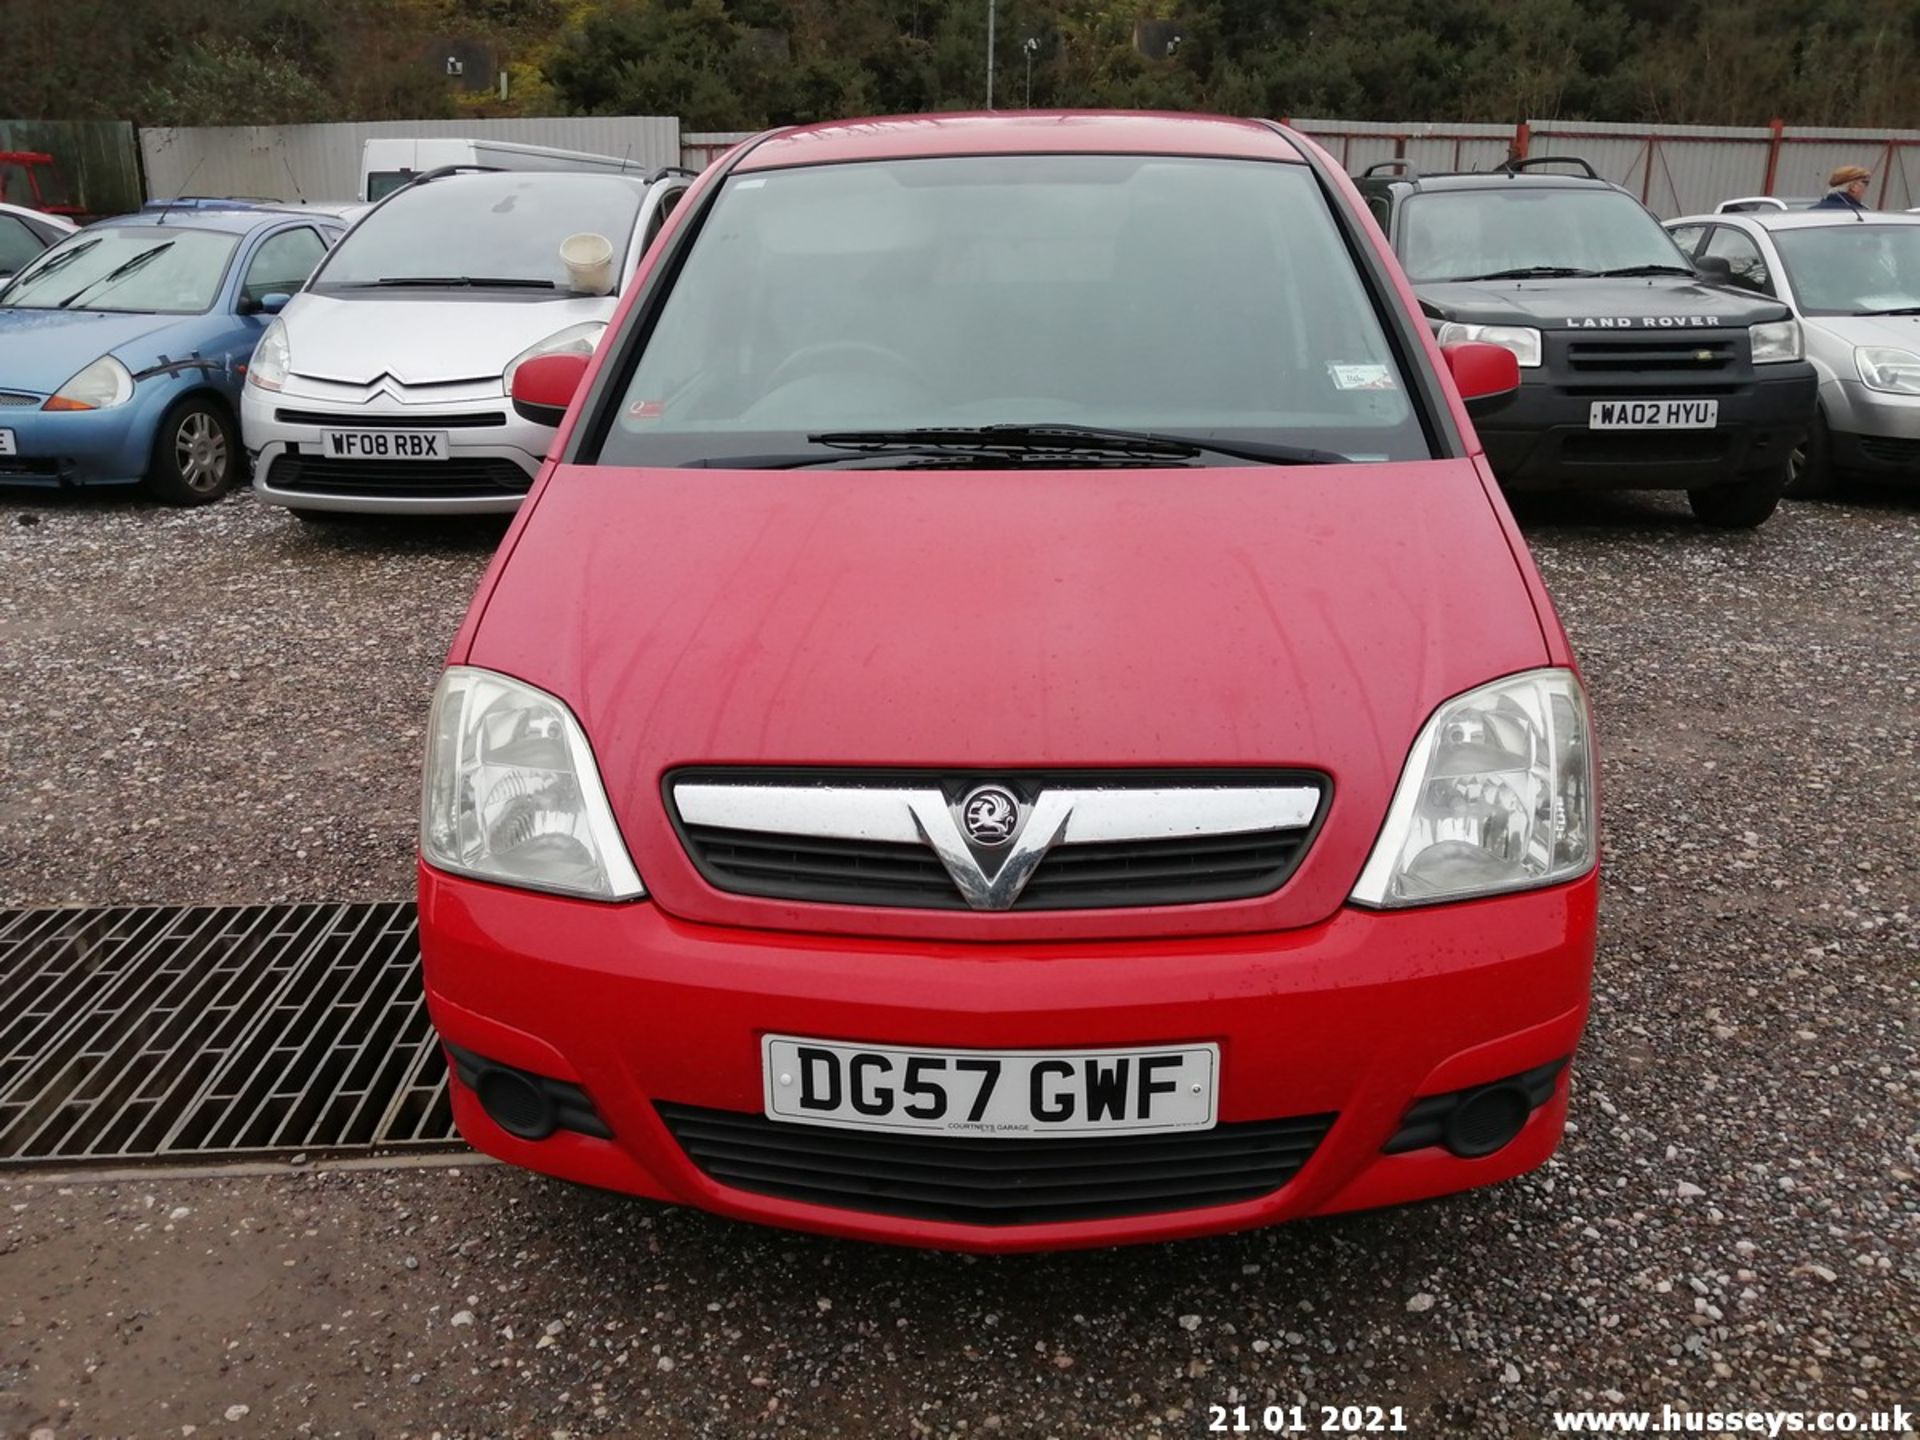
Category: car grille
[11,401]
[1636,352]
[979,1181]
[414,479]
[1631,364]
[28,465]
[349,421]
[1139,872]
[1890,450]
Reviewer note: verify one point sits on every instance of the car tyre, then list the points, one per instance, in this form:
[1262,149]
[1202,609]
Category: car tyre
[1814,477]
[196,453]
[1741,504]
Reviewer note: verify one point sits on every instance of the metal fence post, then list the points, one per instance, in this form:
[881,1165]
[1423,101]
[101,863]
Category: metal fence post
[1778,127]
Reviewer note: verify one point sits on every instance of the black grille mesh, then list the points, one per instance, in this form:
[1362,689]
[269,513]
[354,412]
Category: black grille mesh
[995,1182]
[473,420]
[486,476]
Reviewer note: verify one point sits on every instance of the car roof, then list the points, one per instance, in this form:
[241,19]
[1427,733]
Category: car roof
[1801,219]
[1089,132]
[229,222]
[58,222]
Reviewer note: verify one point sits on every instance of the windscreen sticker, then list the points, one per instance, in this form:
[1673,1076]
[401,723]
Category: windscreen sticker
[1361,377]
[645,410]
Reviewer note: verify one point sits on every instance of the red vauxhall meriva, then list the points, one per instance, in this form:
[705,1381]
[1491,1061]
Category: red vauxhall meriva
[1016,715]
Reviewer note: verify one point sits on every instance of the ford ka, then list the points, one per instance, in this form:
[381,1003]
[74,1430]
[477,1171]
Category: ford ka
[1015,715]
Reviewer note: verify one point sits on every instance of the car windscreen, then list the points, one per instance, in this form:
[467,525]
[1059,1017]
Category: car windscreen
[1500,230]
[1213,298]
[152,269]
[477,228]
[1857,269]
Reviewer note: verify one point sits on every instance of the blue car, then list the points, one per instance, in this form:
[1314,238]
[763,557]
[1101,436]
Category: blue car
[124,347]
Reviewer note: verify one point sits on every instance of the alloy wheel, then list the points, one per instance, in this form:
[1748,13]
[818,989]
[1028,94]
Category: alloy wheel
[200,452]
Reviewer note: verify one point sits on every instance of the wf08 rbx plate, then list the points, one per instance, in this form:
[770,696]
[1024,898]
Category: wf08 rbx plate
[1009,1093]
[384,444]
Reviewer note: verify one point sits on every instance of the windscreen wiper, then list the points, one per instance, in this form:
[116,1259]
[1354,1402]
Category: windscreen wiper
[1043,439]
[1897,310]
[1530,272]
[936,457]
[124,268]
[1626,270]
[61,261]
[455,282]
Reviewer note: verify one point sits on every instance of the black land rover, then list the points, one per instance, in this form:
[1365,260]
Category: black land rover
[1638,370]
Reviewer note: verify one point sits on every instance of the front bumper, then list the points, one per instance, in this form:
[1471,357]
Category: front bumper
[488,470]
[1872,431]
[77,447]
[1355,1018]
[1539,440]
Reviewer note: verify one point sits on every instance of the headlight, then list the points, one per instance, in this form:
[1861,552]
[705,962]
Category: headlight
[1775,342]
[512,794]
[102,385]
[1522,341]
[574,340]
[1496,795]
[272,357]
[1897,372]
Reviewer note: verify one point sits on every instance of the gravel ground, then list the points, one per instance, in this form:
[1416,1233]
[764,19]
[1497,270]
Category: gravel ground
[1733,1223]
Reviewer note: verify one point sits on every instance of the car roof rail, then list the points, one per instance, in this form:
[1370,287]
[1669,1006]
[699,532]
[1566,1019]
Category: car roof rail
[443,171]
[1521,166]
[665,170]
[1406,167]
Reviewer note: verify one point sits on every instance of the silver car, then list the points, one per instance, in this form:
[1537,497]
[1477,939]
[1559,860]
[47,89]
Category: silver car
[1853,278]
[382,386]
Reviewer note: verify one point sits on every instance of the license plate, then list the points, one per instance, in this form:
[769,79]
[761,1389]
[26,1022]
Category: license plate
[995,1093]
[1653,415]
[384,444]
[6,443]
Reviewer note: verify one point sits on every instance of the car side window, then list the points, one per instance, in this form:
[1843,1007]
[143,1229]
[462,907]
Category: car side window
[18,244]
[1749,269]
[1687,237]
[660,213]
[1382,208]
[281,264]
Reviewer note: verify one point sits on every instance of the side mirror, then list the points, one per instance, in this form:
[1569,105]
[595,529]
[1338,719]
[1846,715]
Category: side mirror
[1716,268]
[266,305]
[543,387]
[1485,375]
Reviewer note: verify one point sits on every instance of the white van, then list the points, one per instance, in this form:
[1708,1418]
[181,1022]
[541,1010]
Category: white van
[386,165]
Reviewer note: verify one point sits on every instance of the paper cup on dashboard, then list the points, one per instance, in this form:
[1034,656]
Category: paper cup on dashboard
[589,261]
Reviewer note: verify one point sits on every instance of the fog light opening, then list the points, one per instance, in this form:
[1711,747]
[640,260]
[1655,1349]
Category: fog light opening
[1487,1120]
[514,1103]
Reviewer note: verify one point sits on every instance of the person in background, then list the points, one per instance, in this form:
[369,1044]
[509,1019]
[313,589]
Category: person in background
[1846,189]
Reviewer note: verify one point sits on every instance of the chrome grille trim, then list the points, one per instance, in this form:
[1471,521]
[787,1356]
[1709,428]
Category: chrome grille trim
[925,817]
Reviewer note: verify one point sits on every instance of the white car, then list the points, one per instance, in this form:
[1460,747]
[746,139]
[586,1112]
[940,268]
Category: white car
[382,386]
[25,233]
[1853,279]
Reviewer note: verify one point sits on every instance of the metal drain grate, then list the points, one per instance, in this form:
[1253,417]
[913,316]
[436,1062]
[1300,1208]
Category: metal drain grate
[167,1032]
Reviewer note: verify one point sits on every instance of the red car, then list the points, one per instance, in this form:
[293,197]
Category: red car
[1016,716]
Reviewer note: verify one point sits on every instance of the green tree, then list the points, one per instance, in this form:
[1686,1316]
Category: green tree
[227,83]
